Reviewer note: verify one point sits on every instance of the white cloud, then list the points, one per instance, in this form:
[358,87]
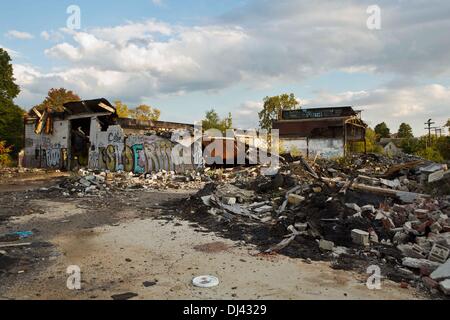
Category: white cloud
[19,35]
[54,36]
[262,44]
[246,115]
[411,104]
[12,53]
[297,42]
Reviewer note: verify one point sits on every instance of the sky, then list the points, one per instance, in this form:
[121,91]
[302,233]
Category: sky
[186,57]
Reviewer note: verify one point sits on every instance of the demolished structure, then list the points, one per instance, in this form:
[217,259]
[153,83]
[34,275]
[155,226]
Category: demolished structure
[327,132]
[90,134]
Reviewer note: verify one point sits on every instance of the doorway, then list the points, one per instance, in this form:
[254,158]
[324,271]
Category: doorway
[80,143]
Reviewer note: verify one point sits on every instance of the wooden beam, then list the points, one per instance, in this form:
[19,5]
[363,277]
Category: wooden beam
[106,107]
[37,113]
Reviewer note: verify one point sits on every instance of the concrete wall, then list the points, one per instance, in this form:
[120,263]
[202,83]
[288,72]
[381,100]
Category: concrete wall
[47,151]
[325,148]
[110,150]
[114,151]
[295,146]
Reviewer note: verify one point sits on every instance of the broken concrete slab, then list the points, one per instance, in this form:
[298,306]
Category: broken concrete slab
[433,168]
[439,253]
[326,245]
[436,176]
[445,287]
[353,206]
[263,209]
[420,263]
[360,237]
[442,272]
[394,184]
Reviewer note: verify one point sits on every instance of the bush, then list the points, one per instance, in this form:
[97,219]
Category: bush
[5,158]
[431,154]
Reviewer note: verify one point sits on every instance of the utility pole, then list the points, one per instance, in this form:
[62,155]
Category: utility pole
[429,123]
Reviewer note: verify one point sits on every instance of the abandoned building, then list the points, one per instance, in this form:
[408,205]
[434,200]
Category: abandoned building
[391,146]
[90,134]
[327,132]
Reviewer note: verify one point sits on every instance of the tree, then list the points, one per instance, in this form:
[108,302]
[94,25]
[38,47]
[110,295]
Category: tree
[410,145]
[56,98]
[443,146]
[122,109]
[11,116]
[273,106]
[213,121]
[405,131]
[382,130]
[144,112]
[371,143]
[5,159]
[8,89]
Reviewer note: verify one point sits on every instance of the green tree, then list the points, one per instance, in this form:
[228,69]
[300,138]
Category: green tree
[371,143]
[8,89]
[56,98]
[410,145]
[122,109]
[443,146]
[382,130]
[405,131]
[145,113]
[11,116]
[213,121]
[273,106]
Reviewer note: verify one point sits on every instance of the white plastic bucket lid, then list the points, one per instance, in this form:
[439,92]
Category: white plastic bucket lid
[205,281]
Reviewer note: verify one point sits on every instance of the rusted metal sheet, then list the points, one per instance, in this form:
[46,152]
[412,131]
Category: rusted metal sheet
[327,128]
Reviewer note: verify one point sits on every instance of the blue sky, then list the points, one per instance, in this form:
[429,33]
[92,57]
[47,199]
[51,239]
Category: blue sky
[186,57]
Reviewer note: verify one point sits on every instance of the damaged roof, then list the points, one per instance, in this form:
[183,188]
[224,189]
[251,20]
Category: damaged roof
[89,106]
[315,113]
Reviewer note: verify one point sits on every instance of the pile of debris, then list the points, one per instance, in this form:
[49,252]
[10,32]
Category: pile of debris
[98,183]
[373,210]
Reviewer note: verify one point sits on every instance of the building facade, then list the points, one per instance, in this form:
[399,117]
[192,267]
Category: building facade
[324,132]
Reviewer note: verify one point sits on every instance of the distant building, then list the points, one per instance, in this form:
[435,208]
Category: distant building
[391,146]
[326,132]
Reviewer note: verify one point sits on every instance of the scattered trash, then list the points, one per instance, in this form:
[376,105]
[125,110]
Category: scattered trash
[205,281]
[124,296]
[150,283]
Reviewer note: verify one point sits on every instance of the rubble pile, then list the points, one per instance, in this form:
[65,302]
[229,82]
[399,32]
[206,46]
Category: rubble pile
[88,182]
[370,211]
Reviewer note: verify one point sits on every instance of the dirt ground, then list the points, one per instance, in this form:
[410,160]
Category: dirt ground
[135,242]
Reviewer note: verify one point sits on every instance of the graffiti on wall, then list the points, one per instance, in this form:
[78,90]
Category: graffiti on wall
[135,153]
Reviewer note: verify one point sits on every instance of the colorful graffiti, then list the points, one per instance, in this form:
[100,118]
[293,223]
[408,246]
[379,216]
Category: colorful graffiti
[135,153]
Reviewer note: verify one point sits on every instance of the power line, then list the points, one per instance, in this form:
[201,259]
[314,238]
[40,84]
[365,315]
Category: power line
[429,123]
